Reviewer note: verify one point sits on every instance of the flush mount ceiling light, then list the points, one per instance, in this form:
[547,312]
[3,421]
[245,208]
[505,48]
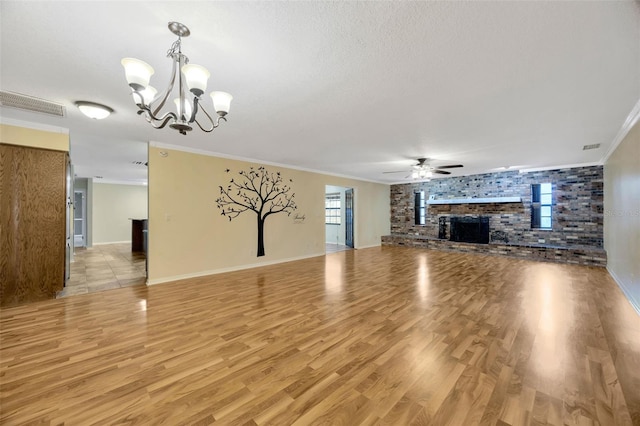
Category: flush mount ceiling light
[94,110]
[193,76]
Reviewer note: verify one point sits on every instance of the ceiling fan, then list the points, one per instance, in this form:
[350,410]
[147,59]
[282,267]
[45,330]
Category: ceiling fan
[423,170]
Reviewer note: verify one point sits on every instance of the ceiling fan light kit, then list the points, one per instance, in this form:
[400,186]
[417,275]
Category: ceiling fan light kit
[423,170]
[422,174]
[186,75]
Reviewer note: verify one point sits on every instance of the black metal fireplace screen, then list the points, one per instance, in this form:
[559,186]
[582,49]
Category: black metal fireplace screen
[469,229]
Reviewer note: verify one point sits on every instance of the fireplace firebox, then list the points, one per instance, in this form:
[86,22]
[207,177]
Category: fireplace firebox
[469,229]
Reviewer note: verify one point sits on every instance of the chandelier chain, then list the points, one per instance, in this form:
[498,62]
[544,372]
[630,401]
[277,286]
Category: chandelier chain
[175,51]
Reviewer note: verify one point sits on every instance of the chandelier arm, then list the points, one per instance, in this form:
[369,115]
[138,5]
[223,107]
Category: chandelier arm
[203,129]
[168,90]
[194,110]
[197,107]
[182,61]
[142,108]
[213,124]
[151,117]
[168,116]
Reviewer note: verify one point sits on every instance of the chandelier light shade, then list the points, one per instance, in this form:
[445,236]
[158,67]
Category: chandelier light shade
[138,73]
[196,77]
[94,110]
[184,109]
[148,94]
[184,76]
[221,102]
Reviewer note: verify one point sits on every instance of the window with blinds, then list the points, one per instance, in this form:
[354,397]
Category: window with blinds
[332,209]
[420,208]
[541,205]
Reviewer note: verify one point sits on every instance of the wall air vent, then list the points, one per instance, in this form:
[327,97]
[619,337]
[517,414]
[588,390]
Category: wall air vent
[593,146]
[29,103]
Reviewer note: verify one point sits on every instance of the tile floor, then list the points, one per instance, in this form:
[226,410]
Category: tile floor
[334,248]
[110,266]
[104,267]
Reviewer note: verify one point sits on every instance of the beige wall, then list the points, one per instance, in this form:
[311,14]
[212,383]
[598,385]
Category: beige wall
[189,237]
[113,205]
[15,135]
[622,215]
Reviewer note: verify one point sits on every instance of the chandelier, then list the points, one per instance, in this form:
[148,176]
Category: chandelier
[193,76]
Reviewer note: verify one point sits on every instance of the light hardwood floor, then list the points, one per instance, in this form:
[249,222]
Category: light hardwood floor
[385,335]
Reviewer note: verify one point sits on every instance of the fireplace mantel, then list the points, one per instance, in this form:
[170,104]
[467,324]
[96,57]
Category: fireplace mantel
[477,200]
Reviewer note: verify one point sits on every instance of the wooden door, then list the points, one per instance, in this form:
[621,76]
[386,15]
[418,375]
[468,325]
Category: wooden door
[32,223]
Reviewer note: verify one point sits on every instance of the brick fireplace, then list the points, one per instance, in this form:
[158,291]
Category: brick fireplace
[577,214]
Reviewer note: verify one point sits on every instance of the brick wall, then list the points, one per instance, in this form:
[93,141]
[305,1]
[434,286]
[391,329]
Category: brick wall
[577,212]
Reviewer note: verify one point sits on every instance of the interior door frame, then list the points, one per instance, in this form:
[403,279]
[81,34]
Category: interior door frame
[349,217]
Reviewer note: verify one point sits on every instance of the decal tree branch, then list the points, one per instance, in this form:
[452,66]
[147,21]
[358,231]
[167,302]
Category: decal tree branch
[259,191]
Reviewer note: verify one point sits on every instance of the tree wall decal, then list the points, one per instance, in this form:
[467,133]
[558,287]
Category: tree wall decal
[259,191]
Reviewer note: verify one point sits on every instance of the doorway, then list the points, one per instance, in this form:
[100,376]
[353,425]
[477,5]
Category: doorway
[102,235]
[80,218]
[339,218]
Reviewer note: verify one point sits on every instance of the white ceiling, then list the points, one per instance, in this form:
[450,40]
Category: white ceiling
[351,88]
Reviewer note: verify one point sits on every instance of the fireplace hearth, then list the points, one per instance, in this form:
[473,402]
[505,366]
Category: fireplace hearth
[469,229]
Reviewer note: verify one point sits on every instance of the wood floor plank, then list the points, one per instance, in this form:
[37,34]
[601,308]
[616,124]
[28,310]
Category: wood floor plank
[388,335]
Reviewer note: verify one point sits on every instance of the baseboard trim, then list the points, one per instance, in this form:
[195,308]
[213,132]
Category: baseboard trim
[634,303]
[370,246]
[112,242]
[230,269]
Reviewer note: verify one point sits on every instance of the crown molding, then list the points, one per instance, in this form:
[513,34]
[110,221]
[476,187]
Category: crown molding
[628,124]
[32,125]
[118,182]
[562,166]
[256,161]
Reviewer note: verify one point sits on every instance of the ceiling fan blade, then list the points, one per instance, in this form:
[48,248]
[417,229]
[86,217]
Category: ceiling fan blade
[442,172]
[452,166]
[398,171]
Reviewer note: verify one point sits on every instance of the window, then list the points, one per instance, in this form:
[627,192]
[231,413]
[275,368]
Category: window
[420,208]
[332,208]
[541,202]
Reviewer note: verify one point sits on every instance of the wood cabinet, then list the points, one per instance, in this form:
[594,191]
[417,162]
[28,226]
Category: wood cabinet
[32,223]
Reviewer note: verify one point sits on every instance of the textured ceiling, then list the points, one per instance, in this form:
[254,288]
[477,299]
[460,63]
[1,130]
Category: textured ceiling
[351,88]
